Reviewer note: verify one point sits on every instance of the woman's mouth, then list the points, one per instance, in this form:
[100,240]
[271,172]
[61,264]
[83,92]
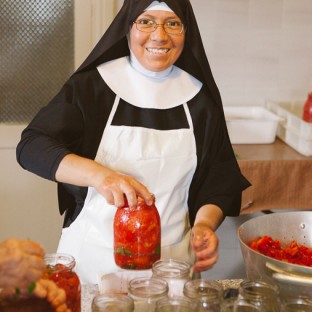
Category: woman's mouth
[157,51]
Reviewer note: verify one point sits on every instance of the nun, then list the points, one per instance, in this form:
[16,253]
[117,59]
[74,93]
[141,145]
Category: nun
[142,116]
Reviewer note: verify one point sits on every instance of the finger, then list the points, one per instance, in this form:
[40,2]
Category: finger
[143,192]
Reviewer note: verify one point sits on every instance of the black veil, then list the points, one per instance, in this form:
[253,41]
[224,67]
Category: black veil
[193,59]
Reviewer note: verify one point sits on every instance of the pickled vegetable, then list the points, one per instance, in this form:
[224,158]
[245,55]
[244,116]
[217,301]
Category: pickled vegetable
[137,236]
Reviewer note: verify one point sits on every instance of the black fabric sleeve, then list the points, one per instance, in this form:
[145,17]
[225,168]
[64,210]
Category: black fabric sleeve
[49,136]
[217,179]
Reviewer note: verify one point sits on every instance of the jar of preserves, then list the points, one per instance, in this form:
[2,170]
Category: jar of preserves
[137,236]
[206,294]
[307,109]
[175,272]
[112,303]
[145,292]
[60,269]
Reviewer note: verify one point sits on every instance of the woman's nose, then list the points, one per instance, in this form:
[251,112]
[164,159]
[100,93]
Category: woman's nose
[159,33]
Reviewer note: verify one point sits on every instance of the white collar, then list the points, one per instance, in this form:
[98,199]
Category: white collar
[173,89]
[148,73]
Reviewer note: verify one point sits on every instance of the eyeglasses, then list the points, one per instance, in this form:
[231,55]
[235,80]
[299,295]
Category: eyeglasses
[171,27]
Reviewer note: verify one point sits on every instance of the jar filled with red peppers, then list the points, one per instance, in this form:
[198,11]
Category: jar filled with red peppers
[307,109]
[137,236]
[60,269]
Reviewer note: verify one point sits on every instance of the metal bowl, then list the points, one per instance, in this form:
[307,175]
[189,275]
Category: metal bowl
[286,226]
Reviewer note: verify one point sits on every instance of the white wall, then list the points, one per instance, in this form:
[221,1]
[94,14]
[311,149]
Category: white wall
[28,207]
[258,50]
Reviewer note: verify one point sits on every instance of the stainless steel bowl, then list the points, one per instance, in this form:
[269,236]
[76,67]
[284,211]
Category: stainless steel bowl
[286,226]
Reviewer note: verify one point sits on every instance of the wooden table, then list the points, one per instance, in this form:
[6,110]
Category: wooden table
[281,177]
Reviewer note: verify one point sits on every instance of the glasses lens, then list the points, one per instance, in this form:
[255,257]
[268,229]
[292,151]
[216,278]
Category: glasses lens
[173,28]
[145,27]
[170,28]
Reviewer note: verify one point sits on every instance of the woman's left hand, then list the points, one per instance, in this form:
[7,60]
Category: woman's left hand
[204,242]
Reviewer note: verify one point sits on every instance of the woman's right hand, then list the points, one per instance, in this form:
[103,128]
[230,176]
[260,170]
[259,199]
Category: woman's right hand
[114,186]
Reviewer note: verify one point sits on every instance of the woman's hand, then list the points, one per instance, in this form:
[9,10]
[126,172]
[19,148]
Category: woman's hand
[204,240]
[114,186]
[205,246]
[21,263]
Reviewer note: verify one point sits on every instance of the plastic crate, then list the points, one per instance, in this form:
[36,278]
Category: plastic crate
[294,131]
[251,124]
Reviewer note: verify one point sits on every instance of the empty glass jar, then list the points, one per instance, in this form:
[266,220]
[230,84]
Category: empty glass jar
[175,272]
[145,292]
[112,303]
[206,294]
[260,294]
[176,304]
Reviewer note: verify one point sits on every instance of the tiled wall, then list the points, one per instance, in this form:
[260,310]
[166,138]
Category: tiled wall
[258,49]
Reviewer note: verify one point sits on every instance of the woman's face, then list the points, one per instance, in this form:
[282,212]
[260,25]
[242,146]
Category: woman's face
[157,50]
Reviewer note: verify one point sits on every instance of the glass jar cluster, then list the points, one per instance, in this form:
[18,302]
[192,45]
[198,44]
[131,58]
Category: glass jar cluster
[153,294]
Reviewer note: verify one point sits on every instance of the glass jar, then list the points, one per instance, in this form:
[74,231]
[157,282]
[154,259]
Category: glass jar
[175,272]
[261,294]
[60,269]
[307,109]
[137,236]
[178,304]
[112,303]
[233,304]
[297,304]
[145,292]
[206,294]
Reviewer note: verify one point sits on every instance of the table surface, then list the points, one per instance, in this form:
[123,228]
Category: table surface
[278,150]
[280,177]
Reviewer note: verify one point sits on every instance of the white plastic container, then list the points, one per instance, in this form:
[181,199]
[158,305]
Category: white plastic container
[251,124]
[294,131]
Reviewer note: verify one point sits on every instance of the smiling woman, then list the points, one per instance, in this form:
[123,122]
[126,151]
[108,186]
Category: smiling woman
[140,119]
[157,40]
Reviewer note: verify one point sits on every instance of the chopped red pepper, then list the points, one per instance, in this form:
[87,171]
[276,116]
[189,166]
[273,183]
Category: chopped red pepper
[293,253]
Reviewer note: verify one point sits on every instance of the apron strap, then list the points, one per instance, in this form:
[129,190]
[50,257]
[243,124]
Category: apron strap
[113,111]
[188,116]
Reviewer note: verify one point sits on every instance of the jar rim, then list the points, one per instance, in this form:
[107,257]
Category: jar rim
[122,300]
[148,287]
[53,259]
[171,268]
[202,288]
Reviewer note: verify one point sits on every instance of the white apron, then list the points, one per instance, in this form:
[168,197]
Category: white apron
[165,162]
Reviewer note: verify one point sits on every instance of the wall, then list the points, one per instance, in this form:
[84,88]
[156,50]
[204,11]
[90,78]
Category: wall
[258,50]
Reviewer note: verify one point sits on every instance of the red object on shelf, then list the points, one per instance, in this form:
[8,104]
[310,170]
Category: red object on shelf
[137,236]
[307,109]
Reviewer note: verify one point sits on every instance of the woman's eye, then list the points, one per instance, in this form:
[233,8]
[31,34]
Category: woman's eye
[146,22]
[173,24]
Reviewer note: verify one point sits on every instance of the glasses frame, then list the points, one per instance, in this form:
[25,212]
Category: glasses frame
[155,25]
